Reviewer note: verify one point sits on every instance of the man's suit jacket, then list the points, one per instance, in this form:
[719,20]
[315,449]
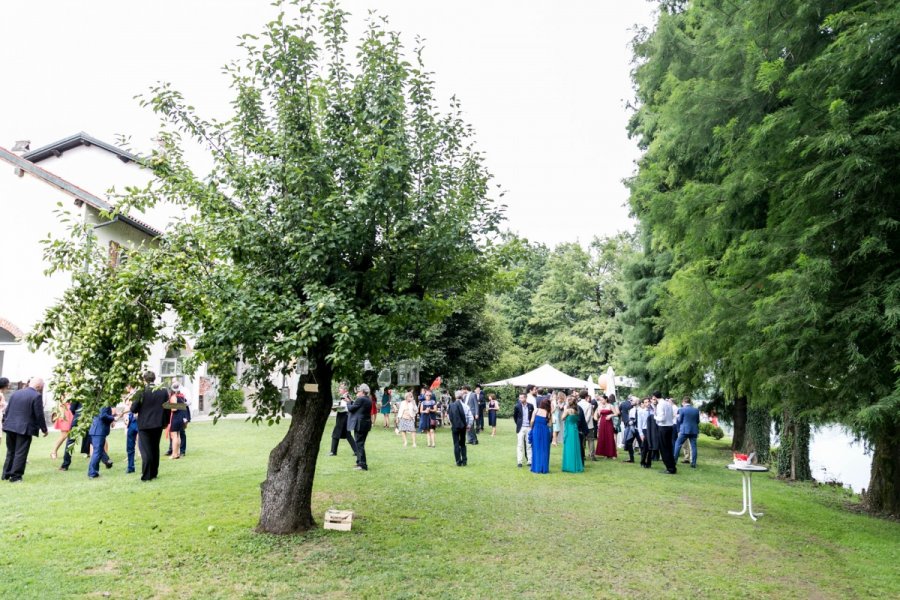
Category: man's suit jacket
[100,424]
[24,412]
[457,414]
[583,428]
[149,408]
[689,420]
[517,415]
[624,408]
[360,414]
[472,403]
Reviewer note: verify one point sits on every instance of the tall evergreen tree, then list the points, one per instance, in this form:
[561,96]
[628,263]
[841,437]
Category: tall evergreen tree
[770,174]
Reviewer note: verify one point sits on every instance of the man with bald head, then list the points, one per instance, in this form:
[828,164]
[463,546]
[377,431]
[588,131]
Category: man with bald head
[22,419]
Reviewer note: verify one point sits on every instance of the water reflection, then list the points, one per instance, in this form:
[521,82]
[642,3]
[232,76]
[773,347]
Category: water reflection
[834,455]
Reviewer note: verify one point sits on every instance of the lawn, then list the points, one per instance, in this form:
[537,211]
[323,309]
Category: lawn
[426,528]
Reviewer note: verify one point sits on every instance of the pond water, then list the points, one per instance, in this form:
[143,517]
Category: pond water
[834,455]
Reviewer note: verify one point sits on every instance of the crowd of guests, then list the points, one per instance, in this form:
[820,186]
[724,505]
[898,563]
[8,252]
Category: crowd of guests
[595,427]
[586,427]
[146,415]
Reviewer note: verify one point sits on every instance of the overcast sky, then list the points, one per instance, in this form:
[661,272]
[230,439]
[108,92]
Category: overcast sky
[544,83]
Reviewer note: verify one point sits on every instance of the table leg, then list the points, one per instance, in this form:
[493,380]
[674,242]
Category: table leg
[750,499]
[744,489]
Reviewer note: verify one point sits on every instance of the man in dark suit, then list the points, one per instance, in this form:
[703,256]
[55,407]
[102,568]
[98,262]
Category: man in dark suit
[341,431]
[582,428]
[522,416]
[151,422]
[471,401]
[482,406]
[360,424]
[688,427]
[22,419]
[460,420]
[69,450]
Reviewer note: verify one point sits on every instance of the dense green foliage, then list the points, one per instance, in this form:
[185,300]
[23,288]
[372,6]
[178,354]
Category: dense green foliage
[562,306]
[771,178]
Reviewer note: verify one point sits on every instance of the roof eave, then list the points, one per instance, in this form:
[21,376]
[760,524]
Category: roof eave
[77,140]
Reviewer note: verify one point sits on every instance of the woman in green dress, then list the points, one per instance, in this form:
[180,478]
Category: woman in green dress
[571,455]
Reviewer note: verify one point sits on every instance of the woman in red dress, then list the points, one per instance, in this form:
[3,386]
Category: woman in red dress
[606,434]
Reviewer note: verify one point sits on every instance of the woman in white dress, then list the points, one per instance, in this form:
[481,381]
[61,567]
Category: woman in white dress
[406,418]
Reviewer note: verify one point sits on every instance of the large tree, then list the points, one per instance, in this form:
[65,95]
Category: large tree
[342,213]
[770,175]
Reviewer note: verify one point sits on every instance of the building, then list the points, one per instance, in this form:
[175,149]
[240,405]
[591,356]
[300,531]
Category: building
[70,177]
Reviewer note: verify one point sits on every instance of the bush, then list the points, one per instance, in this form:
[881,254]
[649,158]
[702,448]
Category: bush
[506,396]
[712,431]
[229,401]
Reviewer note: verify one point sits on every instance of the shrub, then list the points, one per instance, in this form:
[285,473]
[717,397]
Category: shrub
[229,401]
[712,431]
[506,396]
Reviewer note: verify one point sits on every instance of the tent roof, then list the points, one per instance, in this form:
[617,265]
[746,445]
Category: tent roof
[544,376]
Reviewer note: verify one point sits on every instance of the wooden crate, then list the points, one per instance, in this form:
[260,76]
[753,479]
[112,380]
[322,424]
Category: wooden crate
[340,520]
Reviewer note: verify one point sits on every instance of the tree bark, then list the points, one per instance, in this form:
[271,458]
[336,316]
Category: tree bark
[793,453]
[739,418]
[287,491]
[883,494]
[759,433]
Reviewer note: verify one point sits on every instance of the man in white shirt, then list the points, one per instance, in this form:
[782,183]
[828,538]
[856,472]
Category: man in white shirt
[665,421]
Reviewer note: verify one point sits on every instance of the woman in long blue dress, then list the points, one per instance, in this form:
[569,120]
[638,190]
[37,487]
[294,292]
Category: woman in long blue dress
[540,442]
[571,456]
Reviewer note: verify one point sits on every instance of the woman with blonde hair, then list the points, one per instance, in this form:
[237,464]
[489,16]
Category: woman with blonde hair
[406,418]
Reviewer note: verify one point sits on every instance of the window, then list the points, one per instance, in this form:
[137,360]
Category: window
[171,367]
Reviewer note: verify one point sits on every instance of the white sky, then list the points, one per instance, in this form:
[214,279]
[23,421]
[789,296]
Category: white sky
[544,83]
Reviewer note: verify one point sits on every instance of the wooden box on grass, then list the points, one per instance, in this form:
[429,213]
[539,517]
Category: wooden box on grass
[341,520]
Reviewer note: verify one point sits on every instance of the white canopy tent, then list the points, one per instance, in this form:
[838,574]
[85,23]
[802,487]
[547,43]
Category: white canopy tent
[544,376]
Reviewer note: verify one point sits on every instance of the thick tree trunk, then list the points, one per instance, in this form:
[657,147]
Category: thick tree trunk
[883,494]
[739,417]
[287,491]
[759,433]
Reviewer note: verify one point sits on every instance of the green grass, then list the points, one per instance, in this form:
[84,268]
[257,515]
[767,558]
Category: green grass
[425,528]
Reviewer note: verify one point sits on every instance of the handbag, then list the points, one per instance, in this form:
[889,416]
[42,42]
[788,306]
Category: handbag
[530,437]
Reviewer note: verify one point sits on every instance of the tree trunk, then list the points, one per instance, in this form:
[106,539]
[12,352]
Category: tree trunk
[883,494]
[739,418]
[287,491]
[793,455]
[759,433]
